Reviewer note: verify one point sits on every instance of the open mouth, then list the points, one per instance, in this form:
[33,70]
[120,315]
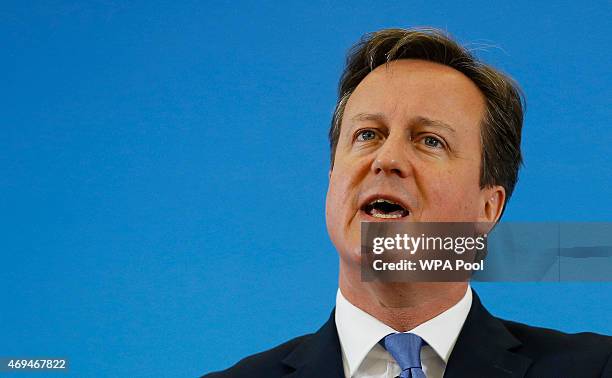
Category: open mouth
[386,209]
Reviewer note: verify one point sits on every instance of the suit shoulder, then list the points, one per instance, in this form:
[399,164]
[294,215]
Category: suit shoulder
[264,364]
[556,353]
[550,340]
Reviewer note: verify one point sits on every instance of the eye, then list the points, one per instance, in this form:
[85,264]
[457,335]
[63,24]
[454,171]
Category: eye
[433,142]
[365,135]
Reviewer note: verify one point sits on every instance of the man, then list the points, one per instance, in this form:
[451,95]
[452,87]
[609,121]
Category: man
[422,132]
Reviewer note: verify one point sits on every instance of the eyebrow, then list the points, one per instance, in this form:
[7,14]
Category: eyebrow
[378,117]
[424,121]
[433,123]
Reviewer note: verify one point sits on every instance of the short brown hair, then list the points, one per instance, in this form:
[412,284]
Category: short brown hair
[501,127]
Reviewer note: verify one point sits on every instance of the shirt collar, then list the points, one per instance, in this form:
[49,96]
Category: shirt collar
[359,331]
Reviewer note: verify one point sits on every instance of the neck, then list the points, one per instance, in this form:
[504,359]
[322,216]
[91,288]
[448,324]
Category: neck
[400,305]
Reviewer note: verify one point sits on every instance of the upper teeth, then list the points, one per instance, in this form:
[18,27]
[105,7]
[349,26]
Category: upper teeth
[384,200]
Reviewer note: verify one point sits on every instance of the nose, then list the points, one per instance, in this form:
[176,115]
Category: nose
[391,158]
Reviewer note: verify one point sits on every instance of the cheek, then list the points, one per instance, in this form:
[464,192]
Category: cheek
[342,197]
[343,230]
[333,204]
[450,195]
[337,199]
[334,213]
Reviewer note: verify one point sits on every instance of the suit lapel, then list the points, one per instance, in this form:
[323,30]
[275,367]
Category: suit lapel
[483,348]
[318,356]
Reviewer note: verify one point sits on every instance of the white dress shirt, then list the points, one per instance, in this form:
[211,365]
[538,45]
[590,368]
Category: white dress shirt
[360,332]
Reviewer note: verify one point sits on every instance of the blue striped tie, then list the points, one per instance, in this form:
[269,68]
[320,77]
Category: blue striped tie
[406,350]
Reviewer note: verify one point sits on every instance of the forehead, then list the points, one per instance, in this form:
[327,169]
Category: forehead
[408,88]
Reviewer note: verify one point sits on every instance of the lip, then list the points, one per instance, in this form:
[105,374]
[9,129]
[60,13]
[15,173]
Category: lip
[385,196]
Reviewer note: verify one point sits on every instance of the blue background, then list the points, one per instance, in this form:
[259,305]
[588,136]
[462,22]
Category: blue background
[164,168]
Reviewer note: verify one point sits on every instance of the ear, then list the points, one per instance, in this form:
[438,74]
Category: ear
[493,198]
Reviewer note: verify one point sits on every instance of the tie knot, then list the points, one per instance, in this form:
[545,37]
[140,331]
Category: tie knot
[405,349]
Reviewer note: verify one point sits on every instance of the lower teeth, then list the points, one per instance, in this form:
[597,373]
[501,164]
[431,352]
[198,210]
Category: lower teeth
[386,216]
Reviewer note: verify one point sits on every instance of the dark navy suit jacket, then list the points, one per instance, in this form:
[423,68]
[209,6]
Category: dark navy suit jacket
[486,347]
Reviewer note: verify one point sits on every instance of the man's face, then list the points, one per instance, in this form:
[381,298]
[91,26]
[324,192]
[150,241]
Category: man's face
[409,150]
